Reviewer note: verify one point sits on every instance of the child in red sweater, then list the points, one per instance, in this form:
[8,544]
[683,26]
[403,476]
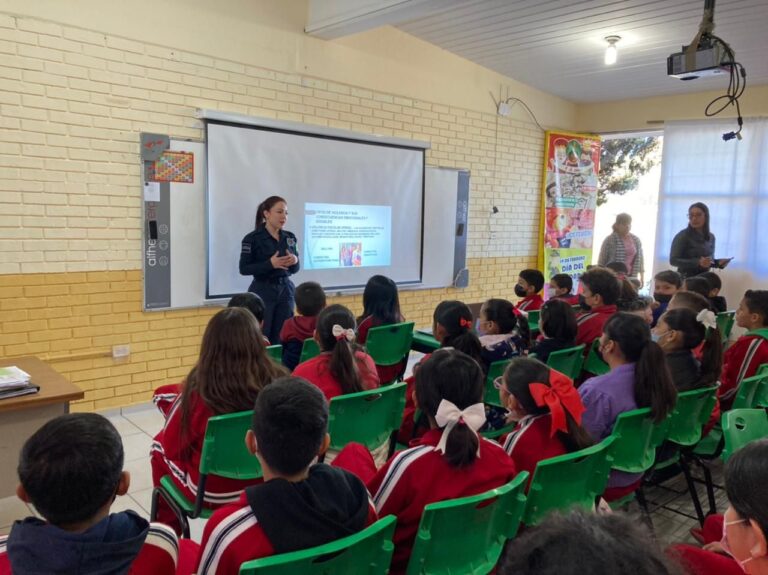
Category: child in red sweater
[451,460]
[342,367]
[548,411]
[300,504]
[750,351]
[232,369]
[310,300]
[529,285]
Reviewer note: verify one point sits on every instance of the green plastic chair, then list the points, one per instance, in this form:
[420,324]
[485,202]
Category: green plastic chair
[567,361]
[692,412]
[309,349]
[495,370]
[389,344]
[593,363]
[224,454]
[761,400]
[573,479]
[368,552]
[725,321]
[275,352]
[467,535]
[368,417]
[533,319]
[742,426]
[637,437]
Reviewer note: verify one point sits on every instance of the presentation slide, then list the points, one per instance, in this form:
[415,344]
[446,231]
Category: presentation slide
[343,236]
[356,207]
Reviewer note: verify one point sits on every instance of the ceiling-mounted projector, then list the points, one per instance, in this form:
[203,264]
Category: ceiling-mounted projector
[709,59]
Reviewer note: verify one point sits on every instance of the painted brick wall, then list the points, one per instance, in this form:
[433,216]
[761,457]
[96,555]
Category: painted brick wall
[72,105]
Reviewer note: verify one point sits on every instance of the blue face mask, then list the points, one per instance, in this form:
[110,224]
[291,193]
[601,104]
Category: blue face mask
[657,336]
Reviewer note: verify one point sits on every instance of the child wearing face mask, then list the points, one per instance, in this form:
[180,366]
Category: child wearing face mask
[665,285]
[528,287]
[504,332]
[560,287]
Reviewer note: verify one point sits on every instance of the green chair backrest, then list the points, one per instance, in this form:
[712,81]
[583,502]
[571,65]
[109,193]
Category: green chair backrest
[309,349]
[495,370]
[224,452]
[593,363]
[533,319]
[561,482]
[637,437]
[741,426]
[368,552]
[762,392]
[725,321]
[692,411]
[749,391]
[389,344]
[368,417]
[275,352]
[467,535]
[568,361]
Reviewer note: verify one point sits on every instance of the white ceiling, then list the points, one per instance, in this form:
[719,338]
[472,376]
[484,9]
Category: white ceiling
[557,45]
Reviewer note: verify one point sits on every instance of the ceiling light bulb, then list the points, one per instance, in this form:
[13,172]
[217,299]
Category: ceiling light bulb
[611,51]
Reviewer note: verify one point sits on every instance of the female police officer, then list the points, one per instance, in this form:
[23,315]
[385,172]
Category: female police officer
[270,255]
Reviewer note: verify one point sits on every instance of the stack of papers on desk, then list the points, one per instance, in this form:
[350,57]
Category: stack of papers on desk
[15,382]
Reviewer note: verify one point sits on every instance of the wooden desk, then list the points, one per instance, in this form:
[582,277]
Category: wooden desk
[21,416]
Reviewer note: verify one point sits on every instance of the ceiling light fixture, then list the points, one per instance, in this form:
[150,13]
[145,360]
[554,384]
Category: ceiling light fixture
[611,51]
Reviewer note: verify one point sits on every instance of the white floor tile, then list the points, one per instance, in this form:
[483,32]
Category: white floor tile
[196,527]
[11,509]
[149,420]
[124,427]
[141,474]
[144,499]
[137,447]
[126,503]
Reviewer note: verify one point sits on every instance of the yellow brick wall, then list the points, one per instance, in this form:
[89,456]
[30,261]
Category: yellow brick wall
[72,105]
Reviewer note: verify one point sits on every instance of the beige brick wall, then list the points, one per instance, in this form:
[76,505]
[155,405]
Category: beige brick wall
[72,105]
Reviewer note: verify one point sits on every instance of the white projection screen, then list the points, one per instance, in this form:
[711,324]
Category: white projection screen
[355,206]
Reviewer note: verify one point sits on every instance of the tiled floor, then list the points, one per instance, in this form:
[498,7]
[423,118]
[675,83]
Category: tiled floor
[137,425]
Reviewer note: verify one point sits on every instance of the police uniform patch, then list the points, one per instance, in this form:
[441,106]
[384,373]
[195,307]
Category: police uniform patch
[291,242]
[246,249]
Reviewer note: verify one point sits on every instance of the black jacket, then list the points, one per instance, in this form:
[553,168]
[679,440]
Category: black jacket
[687,247]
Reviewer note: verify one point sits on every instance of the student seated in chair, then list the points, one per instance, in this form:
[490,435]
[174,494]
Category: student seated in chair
[601,290]
[71,470]
[557,329]
[750,351]
[301,504]
[310,301]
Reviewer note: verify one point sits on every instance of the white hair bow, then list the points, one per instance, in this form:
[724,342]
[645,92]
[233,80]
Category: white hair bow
[707,318]
[448,416]
[339,332]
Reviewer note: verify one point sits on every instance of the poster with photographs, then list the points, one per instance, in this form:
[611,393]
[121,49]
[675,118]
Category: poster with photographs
[572,162]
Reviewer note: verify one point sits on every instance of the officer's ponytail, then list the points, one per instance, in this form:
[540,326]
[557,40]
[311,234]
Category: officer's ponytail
[265,206]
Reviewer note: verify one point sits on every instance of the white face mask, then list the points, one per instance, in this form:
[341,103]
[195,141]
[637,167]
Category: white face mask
[551,292]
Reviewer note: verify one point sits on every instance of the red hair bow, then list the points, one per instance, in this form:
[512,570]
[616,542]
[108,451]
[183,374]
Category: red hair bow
[559,396]
[465,323]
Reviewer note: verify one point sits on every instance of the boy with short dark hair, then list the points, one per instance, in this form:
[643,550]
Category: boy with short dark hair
[71,470]
[750,351]
[696,284]
[718,302]
[254,304]
[560,287]
[529,285]
[310,301]
[299,505]
[601,290]
[665,284]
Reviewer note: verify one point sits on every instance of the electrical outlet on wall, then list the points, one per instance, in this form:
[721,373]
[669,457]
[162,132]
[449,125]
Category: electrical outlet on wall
[119,351]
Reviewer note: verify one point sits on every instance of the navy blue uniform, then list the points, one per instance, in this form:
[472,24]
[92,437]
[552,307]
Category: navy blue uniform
[273,285]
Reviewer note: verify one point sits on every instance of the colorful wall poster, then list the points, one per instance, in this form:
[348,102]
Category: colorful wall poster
[569,199]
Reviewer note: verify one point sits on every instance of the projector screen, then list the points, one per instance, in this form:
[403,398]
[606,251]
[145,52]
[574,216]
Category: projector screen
[355,206]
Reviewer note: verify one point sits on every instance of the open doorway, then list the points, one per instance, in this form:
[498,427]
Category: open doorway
[630,174]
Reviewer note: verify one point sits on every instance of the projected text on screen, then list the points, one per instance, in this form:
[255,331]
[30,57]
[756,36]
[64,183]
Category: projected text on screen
[344,236]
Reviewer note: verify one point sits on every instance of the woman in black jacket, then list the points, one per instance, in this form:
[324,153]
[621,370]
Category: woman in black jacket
[693,249]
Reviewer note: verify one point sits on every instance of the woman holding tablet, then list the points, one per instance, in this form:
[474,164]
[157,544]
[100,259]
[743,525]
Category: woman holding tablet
[693,249]
[270,254]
